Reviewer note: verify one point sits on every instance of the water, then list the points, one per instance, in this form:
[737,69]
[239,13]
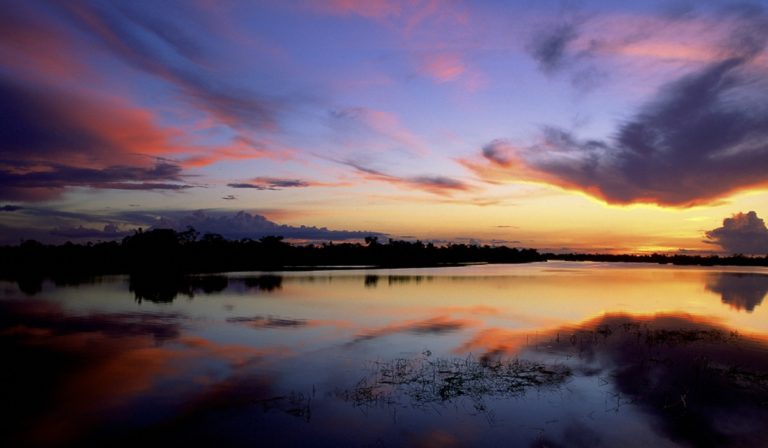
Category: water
[544,354]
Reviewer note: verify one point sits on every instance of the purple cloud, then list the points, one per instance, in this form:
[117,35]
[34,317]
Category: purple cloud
[51,181]
[704,136]
[109,232]
[246,225]
[441,185]
[271,183]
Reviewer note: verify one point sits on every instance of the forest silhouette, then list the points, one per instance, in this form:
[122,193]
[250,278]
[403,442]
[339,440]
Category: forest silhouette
[167,254]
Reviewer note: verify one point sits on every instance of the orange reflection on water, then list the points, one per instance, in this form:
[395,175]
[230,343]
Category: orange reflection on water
[101,363]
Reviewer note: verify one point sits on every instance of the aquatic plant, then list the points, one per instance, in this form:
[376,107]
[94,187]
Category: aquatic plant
[425,381]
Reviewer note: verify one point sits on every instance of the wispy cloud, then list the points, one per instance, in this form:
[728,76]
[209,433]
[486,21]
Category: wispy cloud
[443,66]
[276,183]
[375,130]
[270,183]
[159,45]
[440,185]
[370,9]
[45,181]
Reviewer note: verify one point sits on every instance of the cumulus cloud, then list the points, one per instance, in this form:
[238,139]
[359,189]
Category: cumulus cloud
[109,232]
[61,226]
[246,225]
[704,136]
[743,233]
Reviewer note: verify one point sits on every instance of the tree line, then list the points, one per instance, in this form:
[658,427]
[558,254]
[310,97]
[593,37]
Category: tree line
[168,251]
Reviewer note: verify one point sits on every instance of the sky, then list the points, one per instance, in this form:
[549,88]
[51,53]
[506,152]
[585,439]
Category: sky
[559,125]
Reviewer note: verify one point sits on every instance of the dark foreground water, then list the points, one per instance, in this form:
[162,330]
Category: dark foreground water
[545,354]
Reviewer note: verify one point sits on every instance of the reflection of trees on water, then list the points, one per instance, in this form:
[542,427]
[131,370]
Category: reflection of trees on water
[371,281]
[31,284]
[742,291]
[266,283]
[165,288]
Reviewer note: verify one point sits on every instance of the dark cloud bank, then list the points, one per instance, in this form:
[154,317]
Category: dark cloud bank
[702,137]
[231,225]
[245,225]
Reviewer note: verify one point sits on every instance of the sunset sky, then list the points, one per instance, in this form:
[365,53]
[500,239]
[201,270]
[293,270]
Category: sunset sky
[560,125]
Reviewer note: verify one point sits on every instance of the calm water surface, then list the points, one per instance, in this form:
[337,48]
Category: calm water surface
[544,354]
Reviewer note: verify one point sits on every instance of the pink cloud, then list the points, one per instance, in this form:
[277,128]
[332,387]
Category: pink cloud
[357,126]
[443,67]
[369,8]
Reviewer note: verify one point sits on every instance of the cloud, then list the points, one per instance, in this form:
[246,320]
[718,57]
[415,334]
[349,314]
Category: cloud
[443,67]
[499,151]
[440,185]
[245,225]
[742,233]
[42,124]
[109,232]
[375,130]
[271,183]
[369,9]
[47,144]
[703,137]
[10,208]
[158,44]
[61,108]
[229,197]
[45,181]
[549,47]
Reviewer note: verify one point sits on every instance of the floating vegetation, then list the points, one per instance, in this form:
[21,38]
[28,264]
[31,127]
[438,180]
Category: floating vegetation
[425,381]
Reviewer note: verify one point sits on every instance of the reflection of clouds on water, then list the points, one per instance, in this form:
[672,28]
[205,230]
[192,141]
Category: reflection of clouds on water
[64,374]
[739,291]
[268,321]
[434,326]
[702,383]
